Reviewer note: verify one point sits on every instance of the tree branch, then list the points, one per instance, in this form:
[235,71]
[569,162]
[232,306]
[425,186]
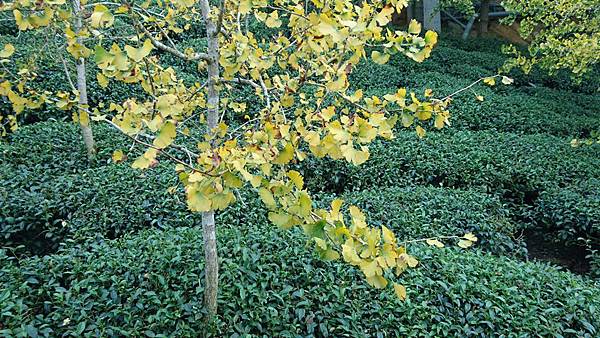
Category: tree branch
[156,43]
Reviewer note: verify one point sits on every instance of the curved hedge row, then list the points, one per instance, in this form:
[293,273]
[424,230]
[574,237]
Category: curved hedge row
[421,212]
[571,211]
[58,146]
[545,182]
[42,211]
[270,284]
[491,161]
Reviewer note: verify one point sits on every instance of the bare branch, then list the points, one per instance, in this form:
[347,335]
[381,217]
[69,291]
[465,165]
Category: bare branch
[468,87]
[220,18]
[241,81]
[265,91]
[174,51]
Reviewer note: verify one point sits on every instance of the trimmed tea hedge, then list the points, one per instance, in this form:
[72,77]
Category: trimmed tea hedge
[502,163]
[421,212]
[43,210]
[572,211]
[58,147]
[270,284]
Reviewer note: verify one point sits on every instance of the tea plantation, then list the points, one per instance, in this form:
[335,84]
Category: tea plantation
[104,250]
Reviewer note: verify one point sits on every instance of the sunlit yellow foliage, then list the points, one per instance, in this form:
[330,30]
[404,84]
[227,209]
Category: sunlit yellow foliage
[300,74]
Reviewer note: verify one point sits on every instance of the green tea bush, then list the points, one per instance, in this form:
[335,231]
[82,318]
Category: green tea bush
[43,210]
[422,212]
[571,212]
[150,285]
[516,112]
[502,163]
[58,146]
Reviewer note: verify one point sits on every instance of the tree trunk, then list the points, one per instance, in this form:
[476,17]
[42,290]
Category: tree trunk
[84,120]
[432,19]
[211,269]
[212,119]
[484,16]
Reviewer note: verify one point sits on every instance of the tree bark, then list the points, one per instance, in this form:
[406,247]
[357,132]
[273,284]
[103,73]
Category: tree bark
[432,19]
[212,118]
[86,131]
[484,16]
[211,267]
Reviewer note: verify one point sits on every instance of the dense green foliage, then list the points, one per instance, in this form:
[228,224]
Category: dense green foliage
[421,212]
[506,166]
[148,284]
[43,207]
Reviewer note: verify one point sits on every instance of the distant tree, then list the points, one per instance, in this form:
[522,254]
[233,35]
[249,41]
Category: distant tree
[564,35]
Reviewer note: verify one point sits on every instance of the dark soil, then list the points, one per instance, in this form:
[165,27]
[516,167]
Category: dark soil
[541,247]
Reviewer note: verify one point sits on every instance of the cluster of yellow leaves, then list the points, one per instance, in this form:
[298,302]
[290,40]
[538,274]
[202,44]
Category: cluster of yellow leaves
[13,87]
[563,36]
[301,75]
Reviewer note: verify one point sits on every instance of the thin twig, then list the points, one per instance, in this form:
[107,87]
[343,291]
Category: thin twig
[220,18]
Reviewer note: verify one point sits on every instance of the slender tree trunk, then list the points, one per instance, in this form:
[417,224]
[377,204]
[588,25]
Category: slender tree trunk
[211,269]
[208,218]
[484,16]
[84,120]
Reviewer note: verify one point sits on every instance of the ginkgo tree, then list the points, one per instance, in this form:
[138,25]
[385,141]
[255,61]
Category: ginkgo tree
[61,30]
[303,106]
[565,35]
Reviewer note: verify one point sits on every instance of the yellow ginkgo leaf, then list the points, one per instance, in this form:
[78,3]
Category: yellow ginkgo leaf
[435,242]
[507,80]
[166,135]
[400,291]
[102,80]
[101,17]
[7,51]
[146,160]
[245,6]
[273,20]
[281,219]
[420,131]
[267,197]
[296,178]
[118,156]
[439,121]
[198,201]
[470,237]
[138,54]
[414,27]
[377,281]
[490,81]
[383,17]
[431,38]
[463,243]
[380,58]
